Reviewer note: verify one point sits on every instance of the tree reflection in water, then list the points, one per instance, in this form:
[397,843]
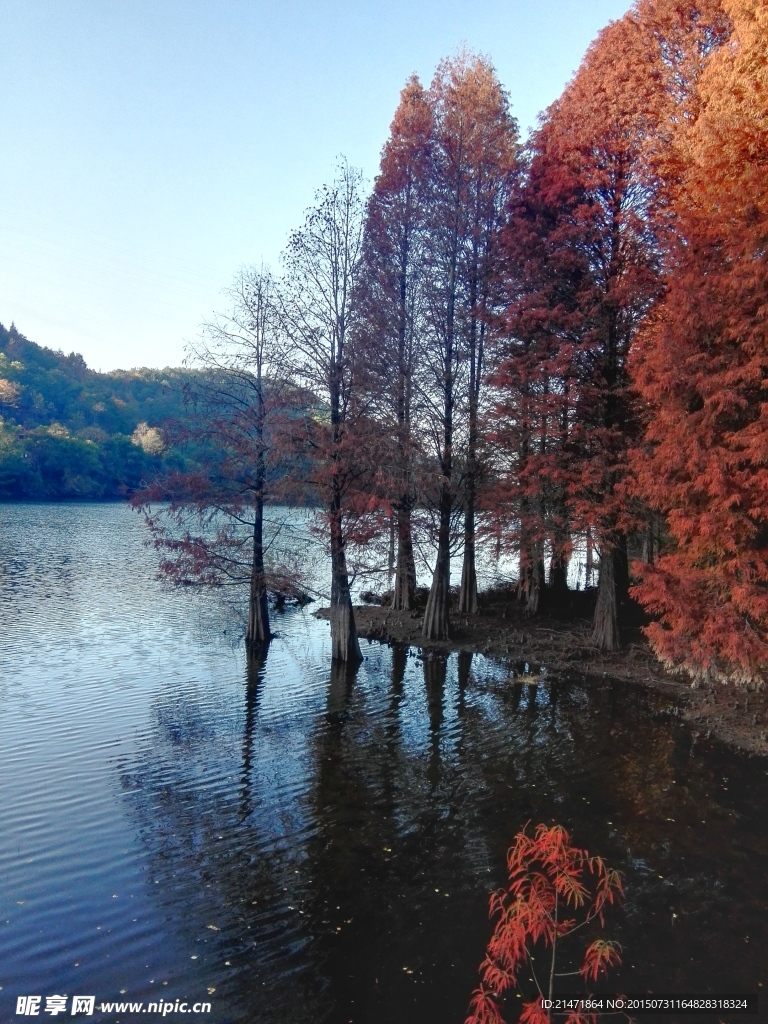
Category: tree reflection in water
[330,860]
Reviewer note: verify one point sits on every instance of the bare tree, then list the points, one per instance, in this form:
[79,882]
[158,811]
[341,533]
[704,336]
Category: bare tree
[318,317]
[239,399]
[245,346]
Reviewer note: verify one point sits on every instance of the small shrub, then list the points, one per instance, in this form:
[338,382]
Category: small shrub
[555,892]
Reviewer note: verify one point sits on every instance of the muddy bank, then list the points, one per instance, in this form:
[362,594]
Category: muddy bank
[736,716]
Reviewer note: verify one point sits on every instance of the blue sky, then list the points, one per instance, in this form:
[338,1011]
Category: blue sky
[152,147]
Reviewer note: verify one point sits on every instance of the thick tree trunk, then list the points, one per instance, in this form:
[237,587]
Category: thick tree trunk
[605,633]
[436,616]
[535,583]
[531,578]
[344,643]
[404,596]
[558,577]
[257,629]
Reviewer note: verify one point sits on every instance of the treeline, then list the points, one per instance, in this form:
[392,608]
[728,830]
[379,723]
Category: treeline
[531,346]
[69,432]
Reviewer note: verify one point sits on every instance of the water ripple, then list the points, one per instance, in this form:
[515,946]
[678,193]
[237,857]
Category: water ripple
[176,819]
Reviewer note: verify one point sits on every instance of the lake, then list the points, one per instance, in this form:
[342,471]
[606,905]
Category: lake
[295,845]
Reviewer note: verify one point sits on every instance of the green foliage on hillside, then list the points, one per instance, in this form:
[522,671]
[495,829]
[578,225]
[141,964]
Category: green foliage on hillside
[70,432]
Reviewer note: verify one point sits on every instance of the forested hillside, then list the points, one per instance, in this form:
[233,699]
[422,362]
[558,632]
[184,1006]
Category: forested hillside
[70,432]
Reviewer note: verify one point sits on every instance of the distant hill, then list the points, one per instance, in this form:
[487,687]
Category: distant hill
[69,432]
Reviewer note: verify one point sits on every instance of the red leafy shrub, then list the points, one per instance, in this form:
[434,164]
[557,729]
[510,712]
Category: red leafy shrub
[555,893]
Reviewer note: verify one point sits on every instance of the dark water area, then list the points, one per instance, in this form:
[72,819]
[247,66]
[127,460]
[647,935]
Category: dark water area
[296,845]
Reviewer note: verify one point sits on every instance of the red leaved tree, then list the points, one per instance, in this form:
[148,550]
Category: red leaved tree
[701,368]
[473,163]
[555,891]
[585,249]
[392,311]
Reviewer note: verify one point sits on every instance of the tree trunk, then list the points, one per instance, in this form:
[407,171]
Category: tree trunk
[391,552]
[436,616]
[404,596]
[535,582]
[531,578]
[344,642]
[650,544]
[257,630]
[589,565]
[605,633]
[558,577]
[468,594]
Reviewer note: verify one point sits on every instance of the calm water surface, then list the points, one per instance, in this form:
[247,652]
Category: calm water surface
[300,846]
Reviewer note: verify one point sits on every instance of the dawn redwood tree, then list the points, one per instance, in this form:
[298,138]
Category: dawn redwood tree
[239,401]
[586,249]
[533,378]
[472,159]
[319,316]
[442,350]
[701,368]
[598,131]
[392,308]
[492,167]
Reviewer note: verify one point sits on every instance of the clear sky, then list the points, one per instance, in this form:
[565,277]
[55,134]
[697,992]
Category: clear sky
[149,148]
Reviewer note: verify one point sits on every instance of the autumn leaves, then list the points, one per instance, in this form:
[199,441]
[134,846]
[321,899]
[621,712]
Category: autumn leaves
[579,328]
[700,368]
[547,348]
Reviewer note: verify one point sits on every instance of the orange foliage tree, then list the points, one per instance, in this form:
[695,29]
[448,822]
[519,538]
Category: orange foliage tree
[701,368]
[555,890]
[586,248]
[392,309]
[473,161]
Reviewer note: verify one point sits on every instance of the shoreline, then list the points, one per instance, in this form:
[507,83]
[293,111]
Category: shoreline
[736,716]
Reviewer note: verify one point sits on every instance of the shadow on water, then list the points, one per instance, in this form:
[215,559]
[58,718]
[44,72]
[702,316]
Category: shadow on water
[309,844]
[255,663]
[349,880]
